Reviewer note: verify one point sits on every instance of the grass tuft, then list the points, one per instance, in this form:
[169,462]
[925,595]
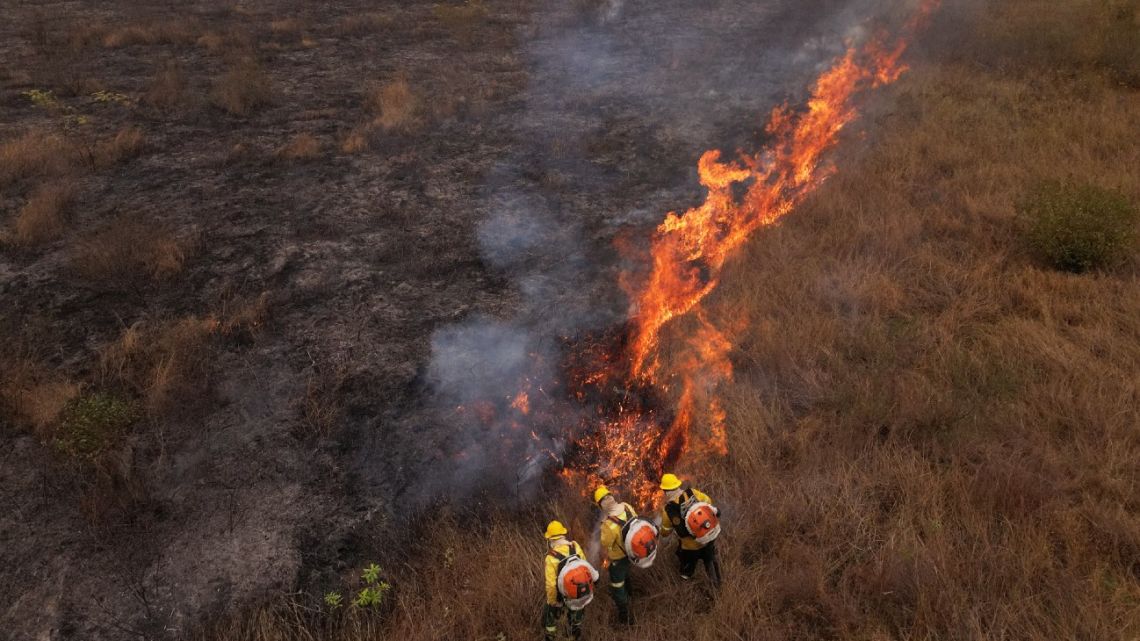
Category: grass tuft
[243,89]
[42,218]
[35,153]
[303,146]
[127,143]
[167,90]
[162,363]
[127,250]
[395,105]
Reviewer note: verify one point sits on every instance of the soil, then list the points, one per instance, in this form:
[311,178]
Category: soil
[581,121]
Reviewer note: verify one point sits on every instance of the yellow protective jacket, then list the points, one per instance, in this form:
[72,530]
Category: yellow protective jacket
[552,562]
[611,533]
[668,526]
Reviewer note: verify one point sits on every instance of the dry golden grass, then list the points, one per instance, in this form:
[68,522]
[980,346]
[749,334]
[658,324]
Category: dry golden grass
[161,362]
[357,140]
[395,105]
[179,31]
[127,143]
[286,26]
[303,146]
[243,89]
[244,317]
[32,396]
[41,154]
[127,250]
[167,91]
[931,435]
[211,41]
[150,32]
[43,217]
[35,153]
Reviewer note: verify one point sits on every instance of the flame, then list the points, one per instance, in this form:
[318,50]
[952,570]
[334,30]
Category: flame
[522,403]
[648,395]
[687,255]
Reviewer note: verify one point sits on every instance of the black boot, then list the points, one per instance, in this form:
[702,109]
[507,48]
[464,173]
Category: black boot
[623,616]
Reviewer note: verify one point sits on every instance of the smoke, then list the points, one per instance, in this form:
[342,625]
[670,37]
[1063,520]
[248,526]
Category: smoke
[620,104]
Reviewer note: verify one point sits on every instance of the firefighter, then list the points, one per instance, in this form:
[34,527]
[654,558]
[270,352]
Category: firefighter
[614,515]
[560,552]
[680,497]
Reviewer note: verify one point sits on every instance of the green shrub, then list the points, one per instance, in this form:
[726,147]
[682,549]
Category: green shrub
[91,424]
[1079,227]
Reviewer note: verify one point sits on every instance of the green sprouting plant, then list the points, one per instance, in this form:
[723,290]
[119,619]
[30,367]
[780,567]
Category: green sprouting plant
[41,98]
[372,594]
[371,574]
[91,424]
[110,96]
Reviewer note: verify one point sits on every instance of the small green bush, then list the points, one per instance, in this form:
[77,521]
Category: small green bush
[91,424]
[1079,227]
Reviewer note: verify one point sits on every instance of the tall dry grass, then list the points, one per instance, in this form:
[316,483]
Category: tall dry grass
[43,216]
[162,363]
[36,153]
[302,146]
[932,435]
[32,396]
[395,105]
[127,250]
[242,89]
[174,31]
[167,91]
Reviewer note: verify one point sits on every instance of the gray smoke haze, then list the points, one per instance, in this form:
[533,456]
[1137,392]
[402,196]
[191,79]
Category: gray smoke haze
[620,105]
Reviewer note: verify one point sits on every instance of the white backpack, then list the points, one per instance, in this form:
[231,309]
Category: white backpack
[638,538]
[702,522]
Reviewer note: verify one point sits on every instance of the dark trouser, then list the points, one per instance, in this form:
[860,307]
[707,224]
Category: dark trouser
[552,613]
[619,585]
[688,560]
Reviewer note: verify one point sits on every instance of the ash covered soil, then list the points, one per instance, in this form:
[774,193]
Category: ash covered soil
[530,136]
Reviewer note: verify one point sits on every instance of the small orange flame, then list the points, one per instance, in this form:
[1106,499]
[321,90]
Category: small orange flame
[522,403]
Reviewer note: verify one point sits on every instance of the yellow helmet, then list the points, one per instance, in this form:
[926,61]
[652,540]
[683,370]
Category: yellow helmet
[555,529]
[670,482]
[601,493]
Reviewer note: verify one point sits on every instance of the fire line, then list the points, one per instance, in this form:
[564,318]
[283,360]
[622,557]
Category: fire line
[632,443]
